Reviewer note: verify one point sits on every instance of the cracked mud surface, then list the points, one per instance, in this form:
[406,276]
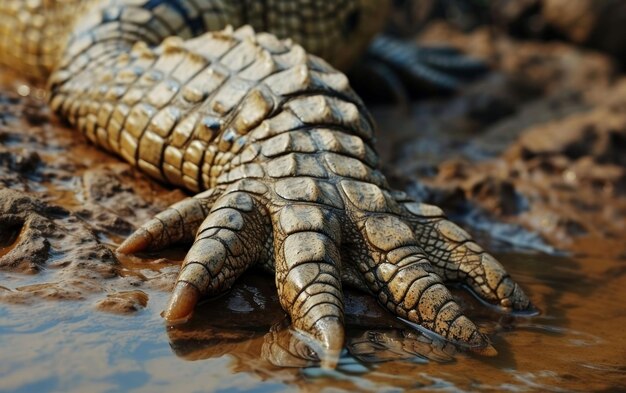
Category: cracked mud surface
[529,158]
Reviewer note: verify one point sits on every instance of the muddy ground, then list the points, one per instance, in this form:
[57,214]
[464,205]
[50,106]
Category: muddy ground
[539,143]
[531,158]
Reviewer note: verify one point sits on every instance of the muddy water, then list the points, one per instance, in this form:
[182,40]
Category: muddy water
[577,344]
[69,324]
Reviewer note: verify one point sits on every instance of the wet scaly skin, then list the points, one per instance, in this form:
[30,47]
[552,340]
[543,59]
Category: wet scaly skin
[284,148]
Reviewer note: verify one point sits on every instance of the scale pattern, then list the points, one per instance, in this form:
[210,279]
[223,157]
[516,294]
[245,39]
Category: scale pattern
[34,33]
[280,151]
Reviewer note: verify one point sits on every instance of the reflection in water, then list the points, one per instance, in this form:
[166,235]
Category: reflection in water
[569,346]
[241,342]
[262,342]
[373,346]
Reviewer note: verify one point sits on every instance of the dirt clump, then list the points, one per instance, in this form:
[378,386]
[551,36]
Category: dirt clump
[124,302]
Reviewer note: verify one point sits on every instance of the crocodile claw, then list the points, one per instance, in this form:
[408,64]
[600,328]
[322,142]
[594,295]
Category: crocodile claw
[182,302]
[315,234]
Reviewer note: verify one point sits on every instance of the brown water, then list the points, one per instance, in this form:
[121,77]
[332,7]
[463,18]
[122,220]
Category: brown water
[576,344]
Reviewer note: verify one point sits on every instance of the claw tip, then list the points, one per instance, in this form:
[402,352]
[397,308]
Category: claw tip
[331,334]
[136,242]
[182,303]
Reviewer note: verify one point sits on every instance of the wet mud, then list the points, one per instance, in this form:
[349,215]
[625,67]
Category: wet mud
[537,145]
[530,159]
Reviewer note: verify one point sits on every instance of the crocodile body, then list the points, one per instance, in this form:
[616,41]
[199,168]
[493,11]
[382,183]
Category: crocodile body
[34,33]
[280,150]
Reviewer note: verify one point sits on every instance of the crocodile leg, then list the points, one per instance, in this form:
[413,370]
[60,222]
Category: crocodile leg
[176,224]
[291,145]
[424,68]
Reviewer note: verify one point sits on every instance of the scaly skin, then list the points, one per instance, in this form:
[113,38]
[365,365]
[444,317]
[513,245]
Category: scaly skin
[284,149]
[34,33]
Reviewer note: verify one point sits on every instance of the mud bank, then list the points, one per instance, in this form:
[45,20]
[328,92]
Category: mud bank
[63,207]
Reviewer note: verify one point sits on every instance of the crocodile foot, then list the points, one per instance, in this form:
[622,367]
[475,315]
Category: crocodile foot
[285,147]
[408,69]
[314,237]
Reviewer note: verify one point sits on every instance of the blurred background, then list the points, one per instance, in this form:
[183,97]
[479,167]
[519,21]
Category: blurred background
[527,151]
